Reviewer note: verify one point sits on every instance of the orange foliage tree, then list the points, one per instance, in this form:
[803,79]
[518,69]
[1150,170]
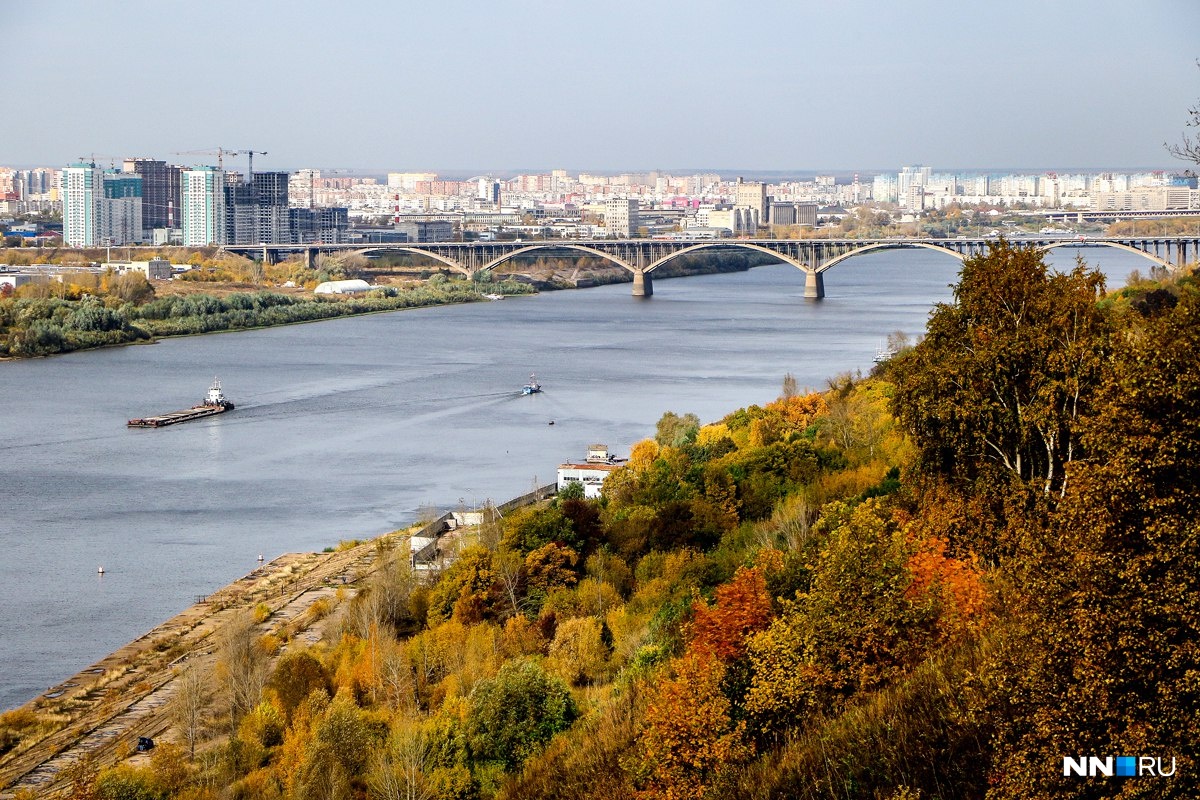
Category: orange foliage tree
[743,606]
[687,742]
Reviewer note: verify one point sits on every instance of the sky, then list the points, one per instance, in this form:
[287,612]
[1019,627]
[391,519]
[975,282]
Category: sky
[502,86]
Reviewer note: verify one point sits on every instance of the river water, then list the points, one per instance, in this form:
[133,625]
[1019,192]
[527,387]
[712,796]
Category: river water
[346,428]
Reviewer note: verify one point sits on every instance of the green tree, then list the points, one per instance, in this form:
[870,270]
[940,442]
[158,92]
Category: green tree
[997,388]
[675,431]
[513,715]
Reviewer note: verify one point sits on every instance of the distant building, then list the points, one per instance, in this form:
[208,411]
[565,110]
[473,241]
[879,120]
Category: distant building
[160,191]
[121,209]
[408,180]
[437,230]
[789,214]
[323,225]
[82,186]
[591,472]
[156,269]
[202,197]
[621,217]
[751,196]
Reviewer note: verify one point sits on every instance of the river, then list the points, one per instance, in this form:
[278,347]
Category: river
[346,428]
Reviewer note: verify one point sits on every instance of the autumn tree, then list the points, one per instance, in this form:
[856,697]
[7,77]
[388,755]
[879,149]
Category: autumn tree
[242,666]
[686,740]
[742,608]
[856,629]
[401,769]
[997,387]
[297,674]
[1100,651]
[189,703]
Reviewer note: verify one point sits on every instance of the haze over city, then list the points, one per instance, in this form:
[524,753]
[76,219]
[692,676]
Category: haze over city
[623,85]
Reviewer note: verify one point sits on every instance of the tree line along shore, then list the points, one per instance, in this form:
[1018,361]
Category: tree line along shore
[932,582]
[225,293]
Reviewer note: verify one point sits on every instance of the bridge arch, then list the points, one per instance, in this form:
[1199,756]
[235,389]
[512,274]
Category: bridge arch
[559,246]
[719,244]
[898,245]
[392,248]
[1096,243]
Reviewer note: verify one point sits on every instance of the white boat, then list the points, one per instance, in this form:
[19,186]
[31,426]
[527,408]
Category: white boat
[884,353]
[533,387]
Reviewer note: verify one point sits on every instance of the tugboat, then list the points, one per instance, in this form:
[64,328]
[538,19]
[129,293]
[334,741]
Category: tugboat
[533,387]
[214,403]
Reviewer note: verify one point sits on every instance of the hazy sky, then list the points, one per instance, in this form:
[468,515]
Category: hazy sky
[505,85]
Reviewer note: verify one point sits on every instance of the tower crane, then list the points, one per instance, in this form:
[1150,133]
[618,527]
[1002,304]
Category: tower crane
[250,154]
[219,152]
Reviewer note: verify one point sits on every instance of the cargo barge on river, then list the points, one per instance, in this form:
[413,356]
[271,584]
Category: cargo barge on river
[214,403]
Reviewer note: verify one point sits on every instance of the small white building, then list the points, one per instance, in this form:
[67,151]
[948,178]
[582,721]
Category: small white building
[156,269]
[591,472]
[343,287]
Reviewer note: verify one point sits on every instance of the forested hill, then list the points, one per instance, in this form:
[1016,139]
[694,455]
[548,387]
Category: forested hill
[935,582]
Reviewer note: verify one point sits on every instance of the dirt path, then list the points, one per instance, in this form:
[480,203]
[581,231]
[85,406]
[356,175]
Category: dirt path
[102,710]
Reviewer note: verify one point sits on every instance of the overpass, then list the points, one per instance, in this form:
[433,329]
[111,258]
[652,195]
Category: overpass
[640,257]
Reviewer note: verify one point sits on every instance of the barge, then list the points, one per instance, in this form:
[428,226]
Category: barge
[214,403]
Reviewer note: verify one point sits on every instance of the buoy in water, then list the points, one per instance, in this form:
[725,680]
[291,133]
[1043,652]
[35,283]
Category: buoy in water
[99,570]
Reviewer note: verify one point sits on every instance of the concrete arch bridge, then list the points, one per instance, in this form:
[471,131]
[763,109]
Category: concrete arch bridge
[814,257]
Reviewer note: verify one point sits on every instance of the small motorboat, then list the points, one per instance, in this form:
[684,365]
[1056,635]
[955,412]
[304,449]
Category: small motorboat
[533,387]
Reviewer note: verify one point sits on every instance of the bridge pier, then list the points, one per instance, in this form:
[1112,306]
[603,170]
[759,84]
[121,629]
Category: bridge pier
[308,257]
[643,286]
[268,256]
[814,285]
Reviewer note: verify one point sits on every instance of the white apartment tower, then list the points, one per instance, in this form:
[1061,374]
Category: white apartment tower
[202,197]
[82,189]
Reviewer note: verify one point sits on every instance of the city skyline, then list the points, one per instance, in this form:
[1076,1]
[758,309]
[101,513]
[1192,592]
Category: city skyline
[673,86]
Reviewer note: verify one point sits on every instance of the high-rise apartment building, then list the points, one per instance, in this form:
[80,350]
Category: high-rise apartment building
[325,225]
[916,175]
[121,209]
[203,209]
[270,197]
[160,191]
[256,211]
[82,186]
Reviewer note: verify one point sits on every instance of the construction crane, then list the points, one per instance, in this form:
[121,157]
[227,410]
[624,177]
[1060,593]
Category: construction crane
[219,152]
[250,158]
[112,160]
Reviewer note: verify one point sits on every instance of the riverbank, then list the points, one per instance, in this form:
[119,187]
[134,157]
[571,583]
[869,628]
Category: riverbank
[46,326]
[101,710]
[32,327]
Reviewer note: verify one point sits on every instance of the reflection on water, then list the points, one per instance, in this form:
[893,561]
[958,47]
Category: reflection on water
[345,428]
